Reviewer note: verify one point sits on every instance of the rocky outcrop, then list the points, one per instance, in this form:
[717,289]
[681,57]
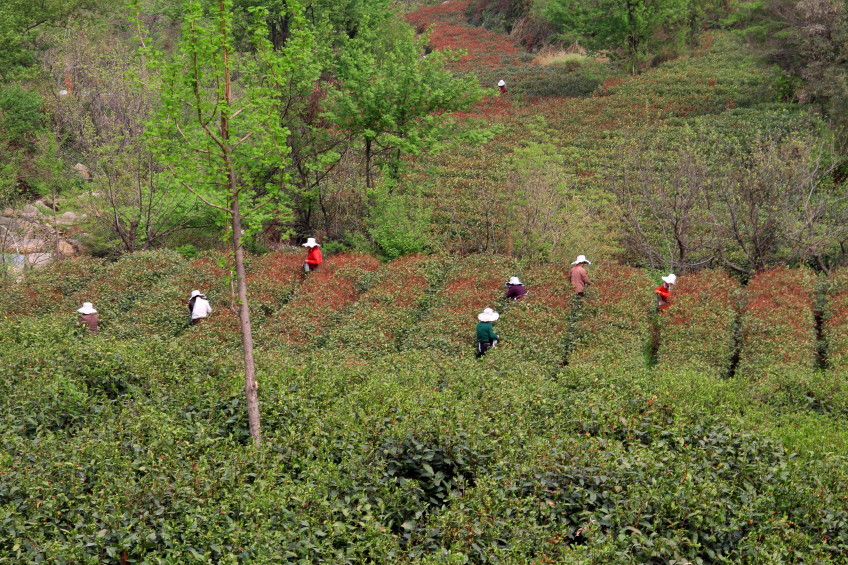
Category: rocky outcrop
[33,236]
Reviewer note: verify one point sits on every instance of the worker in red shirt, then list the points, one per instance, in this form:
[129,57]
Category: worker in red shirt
[313,258]
[664,291]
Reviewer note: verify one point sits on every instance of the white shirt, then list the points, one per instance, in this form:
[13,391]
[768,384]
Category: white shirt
[201,309]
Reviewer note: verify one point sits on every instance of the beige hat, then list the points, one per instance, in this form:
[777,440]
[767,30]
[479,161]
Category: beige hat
[670,279]
[488,315]
[311,243]
[87,308]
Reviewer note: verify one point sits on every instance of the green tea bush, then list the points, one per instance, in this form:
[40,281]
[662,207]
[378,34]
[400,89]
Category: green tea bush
[319,302]
[474,282]
[697,331]
[835,321]
[386,314]
[48,290]
[272,279]
[116,288]
[163,309]
[611,325]
[777,327]
[537,328]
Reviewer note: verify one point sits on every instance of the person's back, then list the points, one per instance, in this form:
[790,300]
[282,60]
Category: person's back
[88,317]
[486,332]
[486,336]
[515,289]
[201,309]
[579,278]
[516,292]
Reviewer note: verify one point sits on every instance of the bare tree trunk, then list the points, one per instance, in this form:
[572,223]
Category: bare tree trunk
[368,180]
[250,385]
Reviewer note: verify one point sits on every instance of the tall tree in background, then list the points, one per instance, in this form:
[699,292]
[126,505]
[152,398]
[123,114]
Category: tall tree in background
[20,19]
[394,98]
[220,138]
[626,26]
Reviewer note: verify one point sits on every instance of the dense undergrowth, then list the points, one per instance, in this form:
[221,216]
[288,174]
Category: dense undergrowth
[386,441]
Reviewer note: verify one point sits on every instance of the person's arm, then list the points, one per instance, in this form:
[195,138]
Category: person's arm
[584,276]
[208,309]
[492,335]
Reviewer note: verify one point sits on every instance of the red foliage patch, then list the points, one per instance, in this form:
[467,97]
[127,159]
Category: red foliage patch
[697,329]
[778,323]
[485,49]
[325,293]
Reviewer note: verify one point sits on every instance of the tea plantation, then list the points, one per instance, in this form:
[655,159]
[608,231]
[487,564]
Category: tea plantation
[596,432]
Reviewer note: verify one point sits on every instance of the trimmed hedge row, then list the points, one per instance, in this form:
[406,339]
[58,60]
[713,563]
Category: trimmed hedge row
[612,323]
[537,327]
[320,301]
[48,289]
[697,329]
[272,279]
[835,321]
[778,323]
[474,283]
[386,315]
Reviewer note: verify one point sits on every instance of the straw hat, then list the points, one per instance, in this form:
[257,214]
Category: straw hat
[581,259]
[87,308]
[488,315]
[311,243]
[514,281]
[501,83]
[670,279]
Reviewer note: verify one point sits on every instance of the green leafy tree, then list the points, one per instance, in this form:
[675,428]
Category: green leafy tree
[395,99]
[219,138]
[628,26]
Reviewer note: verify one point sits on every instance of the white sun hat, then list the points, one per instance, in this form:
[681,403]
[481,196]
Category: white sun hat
[195,293]
[670,279]
[514,280]
[501,83]
[87,308]
[311,243]
[488,315]
[581,259]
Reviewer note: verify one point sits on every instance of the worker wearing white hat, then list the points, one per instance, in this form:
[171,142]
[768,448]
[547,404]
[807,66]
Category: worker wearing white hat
[502,86]
[88,317]
[198,307]
[486,336]
[314,259]
[515,289]
[579,276]
[664,291]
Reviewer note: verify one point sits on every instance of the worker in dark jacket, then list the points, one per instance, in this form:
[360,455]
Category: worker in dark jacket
[486,336]
[515,289]
[88,317]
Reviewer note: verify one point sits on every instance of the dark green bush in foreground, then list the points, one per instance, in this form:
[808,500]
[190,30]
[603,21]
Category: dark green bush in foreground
[132,446]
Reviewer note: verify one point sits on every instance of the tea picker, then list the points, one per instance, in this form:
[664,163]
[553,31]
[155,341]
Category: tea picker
[515,289]
[198,307]
[88,317]
[486,336]
[664,291]
[314,259]
[579,276]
